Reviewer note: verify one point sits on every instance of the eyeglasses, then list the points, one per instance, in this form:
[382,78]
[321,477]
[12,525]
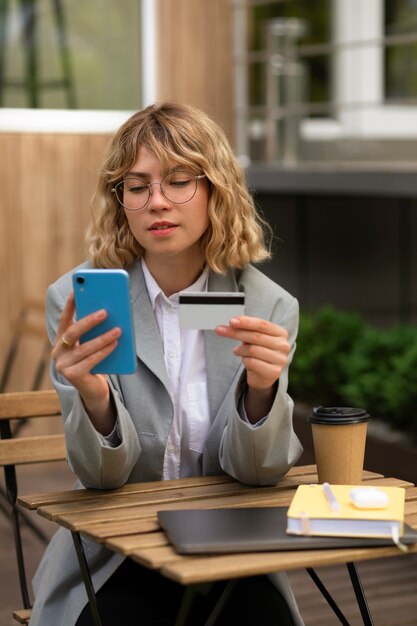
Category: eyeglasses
[178,187]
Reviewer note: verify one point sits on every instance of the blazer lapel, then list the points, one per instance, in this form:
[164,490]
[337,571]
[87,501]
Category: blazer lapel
[148,341]
[222,365]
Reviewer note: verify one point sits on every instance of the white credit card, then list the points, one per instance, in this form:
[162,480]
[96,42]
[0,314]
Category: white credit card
[207,310]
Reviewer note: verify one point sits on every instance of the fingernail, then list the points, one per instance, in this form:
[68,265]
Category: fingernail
[100,314]
[235,321]
[222,330]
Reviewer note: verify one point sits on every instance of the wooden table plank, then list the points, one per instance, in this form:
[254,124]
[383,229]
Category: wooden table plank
[158,557]
[389,482]
[34,501]
[83,522]
[92,500]
[126,545]
[411,494]
[410,507]
[114,501]
[97,522]
[101,531]
[187,570]
[121,531]
[97,500]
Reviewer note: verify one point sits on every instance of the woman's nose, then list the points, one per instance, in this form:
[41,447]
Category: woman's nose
[157,199]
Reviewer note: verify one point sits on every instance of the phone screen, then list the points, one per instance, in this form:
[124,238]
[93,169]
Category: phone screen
[107,289]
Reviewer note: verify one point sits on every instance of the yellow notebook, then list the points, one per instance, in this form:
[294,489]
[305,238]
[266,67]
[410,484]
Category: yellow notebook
[381,513]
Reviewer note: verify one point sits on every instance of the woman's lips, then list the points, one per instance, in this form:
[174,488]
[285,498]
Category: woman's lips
[162,229]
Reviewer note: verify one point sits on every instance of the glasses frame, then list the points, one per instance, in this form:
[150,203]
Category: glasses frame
[195,177]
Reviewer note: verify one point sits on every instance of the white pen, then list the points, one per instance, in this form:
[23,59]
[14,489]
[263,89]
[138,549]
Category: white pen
[331,498]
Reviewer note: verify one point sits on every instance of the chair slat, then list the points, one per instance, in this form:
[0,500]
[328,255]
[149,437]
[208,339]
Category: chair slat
[32,450]
[35,304]
[23,404]
[22,616]
[15,451]
[28,328]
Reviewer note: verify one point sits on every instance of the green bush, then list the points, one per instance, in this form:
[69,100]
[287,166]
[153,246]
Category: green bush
[341,360]
[320,366]
[400,391]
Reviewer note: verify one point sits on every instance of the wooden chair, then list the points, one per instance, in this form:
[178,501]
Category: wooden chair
[29,325]
[15,451]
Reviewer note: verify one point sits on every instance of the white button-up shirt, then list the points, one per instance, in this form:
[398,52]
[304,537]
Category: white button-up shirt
[185,363]
[186,369]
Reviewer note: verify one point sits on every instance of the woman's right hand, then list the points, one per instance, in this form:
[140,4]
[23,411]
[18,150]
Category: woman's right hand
[75,361]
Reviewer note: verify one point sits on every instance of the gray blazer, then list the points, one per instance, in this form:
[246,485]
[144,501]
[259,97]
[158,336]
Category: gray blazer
[257,456]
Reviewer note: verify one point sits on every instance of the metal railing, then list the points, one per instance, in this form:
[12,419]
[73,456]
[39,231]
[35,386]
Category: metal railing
[274,123]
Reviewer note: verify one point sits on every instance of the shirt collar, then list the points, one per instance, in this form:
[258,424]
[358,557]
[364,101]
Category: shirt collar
[156,292]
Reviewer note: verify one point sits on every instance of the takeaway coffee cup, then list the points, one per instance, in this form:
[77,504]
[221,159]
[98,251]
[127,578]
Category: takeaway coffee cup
[339,436]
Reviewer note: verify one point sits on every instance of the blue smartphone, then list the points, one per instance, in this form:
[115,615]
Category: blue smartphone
[107,289]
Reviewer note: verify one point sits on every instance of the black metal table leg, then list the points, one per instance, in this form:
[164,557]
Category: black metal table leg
[204,588]
[360,594]
[86,577]
[225,595]
[320,585]
[185,607]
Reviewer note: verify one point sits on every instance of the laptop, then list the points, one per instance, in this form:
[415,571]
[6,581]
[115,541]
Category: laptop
[194,531]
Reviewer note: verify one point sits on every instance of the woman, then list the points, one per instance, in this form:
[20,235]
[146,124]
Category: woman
[173,209]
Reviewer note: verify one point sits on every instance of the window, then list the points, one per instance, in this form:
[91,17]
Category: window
[365,73]
[358,72]
[71,54]
[400,27]
[315,22]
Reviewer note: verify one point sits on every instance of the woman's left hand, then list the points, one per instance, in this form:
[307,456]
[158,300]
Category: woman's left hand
[264,349]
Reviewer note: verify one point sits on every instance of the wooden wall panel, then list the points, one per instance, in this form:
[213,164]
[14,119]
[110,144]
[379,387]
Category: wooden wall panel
[46,182]
[195,56]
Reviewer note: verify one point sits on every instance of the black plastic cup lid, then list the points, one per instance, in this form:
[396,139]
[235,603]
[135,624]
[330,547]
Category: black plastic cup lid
[338,415]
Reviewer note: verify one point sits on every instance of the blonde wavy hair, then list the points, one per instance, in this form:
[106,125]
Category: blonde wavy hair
[180,134]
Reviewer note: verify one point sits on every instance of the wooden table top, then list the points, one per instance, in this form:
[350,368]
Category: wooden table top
[125,520]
